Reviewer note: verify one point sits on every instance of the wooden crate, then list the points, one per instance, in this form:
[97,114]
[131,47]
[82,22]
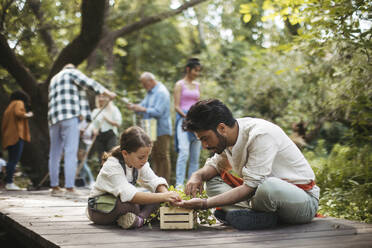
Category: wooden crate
[177,218]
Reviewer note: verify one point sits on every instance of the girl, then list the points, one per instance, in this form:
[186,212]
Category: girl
[15,132]
[186,93]
[114,196]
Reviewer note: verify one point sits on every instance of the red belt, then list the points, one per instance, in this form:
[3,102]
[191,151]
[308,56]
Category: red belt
[234,181]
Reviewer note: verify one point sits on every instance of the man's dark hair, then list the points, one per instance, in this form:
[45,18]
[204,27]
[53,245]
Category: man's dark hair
[206,115]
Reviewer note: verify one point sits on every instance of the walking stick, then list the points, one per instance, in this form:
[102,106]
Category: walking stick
[82,162]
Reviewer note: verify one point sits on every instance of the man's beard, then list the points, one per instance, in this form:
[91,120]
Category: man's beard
[222,144]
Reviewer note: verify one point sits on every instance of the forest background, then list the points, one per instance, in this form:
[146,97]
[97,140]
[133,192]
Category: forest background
[304,62]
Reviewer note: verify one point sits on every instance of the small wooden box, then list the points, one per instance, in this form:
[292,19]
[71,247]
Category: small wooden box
[177,218]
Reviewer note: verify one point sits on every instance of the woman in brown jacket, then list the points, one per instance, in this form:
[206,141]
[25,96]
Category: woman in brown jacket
[15,131]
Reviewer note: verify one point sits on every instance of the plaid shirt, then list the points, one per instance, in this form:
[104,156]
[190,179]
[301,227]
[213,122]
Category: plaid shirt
[67,96]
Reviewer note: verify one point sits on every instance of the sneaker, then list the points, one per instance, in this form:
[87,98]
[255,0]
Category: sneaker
[130,220]
[12,186]
[247,219]
[220,215]
[57,192]
[72,193]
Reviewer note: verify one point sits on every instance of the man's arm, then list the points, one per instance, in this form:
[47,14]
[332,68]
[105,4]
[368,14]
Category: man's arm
[157,109]
[235,195]
[82,80]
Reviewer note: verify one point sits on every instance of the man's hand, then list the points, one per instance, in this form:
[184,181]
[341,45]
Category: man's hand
[194,185]
[110,94]
[136,107]
[195,203]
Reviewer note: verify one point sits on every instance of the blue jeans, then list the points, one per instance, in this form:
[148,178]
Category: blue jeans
[189,148]
[64,137]
[14,153]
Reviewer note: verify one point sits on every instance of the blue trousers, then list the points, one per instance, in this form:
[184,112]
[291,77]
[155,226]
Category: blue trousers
[14,154]
[188,149]
[64,137]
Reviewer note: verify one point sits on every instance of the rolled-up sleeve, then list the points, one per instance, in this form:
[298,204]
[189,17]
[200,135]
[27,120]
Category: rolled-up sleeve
[219,162]
[82,80]
[148,179]
[262,152]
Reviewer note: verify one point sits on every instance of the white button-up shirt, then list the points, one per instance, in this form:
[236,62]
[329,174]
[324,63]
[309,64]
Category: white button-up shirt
[263,150]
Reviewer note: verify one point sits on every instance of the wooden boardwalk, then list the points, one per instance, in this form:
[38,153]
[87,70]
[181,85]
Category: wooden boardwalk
[44,221]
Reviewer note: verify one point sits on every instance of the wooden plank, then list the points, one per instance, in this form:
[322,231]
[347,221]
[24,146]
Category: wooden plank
[322,242]
[51,222]
[174,239]
[170,239]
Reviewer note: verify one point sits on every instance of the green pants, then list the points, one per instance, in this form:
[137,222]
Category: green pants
[292,204]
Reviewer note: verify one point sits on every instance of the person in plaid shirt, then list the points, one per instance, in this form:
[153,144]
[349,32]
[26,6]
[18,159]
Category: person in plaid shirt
[67,105]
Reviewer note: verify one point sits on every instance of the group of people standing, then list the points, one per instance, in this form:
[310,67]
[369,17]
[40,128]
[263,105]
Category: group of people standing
[271,182]
[156,105]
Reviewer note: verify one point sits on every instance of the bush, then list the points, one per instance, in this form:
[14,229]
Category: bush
[345,179]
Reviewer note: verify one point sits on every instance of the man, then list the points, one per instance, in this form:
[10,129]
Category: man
[68,105]
[277,183]
[156,104]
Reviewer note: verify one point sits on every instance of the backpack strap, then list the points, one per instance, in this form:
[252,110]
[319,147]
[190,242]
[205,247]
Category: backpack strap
[135,171]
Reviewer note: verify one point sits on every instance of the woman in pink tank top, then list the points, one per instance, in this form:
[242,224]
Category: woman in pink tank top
[186,93]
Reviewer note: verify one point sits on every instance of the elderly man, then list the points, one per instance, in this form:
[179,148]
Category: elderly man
[275,180]
[68,105]
[156,105]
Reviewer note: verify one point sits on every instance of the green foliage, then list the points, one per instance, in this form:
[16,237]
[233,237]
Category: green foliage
[284,61]
[345,179]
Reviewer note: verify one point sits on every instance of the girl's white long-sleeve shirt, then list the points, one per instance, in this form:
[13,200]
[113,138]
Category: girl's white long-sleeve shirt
[112,179]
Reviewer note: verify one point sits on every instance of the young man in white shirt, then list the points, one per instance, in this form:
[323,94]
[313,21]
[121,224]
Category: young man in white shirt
[276,181]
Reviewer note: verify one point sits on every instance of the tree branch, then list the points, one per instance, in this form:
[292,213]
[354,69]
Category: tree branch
[10,62]
[91,29]
[4,7]
[153,19]
[293,29]
[44,32]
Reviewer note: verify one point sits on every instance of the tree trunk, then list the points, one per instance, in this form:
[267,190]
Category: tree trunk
[35,154]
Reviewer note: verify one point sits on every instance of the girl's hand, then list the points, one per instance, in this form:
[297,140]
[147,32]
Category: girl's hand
[172,197]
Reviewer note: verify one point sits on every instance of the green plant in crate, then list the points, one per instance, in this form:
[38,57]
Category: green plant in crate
[205,216]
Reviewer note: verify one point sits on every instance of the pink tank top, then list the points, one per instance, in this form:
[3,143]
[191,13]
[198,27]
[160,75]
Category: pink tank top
[188,97]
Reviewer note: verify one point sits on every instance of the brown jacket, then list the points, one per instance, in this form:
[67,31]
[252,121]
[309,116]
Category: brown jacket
[15,124]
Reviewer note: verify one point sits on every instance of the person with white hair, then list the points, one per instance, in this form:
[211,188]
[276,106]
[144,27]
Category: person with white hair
[156,106]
